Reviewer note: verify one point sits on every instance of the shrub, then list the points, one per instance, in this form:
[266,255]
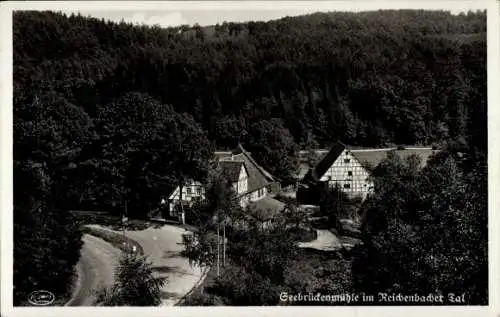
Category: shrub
[202,299]
[136,284]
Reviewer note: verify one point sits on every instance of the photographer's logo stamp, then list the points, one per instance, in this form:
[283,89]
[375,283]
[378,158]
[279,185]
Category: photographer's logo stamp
[41,298]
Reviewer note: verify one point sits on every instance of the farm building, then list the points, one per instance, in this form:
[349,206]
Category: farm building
[251,183]
[350,169]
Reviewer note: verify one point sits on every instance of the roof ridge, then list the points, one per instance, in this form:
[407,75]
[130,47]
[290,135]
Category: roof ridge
[322,166]
[252,160]
[392,149]
[373,149]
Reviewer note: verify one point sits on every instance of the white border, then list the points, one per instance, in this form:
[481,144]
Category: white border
[493,51]
[353,5]
[6,154]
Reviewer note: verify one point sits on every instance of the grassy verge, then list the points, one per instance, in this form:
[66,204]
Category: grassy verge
[161,222]
[116,239]
[111,221]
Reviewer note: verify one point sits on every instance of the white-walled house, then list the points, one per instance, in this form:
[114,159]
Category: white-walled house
[351,169]
[249,180]
[190,193]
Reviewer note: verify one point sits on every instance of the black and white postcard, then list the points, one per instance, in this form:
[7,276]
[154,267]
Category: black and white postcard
[180,158]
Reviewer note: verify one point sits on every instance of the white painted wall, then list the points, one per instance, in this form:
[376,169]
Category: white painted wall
[349,174]
[196,190]
[242,181]
[189,191]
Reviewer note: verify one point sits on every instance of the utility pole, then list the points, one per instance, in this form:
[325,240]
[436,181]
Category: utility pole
[125,218]
[218,244]
[124,222]
[224,243]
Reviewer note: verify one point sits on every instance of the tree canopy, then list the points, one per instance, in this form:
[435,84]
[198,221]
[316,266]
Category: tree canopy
[111,114]
[371,78]
[426,231]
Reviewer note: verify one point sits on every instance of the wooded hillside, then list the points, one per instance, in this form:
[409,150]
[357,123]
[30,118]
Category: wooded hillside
[107,114]
[405,77]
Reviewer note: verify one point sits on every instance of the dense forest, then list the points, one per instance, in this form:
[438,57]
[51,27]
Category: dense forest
[369,79]
[107,114]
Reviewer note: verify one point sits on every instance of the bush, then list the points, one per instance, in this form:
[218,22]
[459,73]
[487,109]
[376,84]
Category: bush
[202,299]
[232,285]
[136,284]
[302,235]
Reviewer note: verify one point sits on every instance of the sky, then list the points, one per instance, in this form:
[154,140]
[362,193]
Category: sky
[209,13]
[203,18]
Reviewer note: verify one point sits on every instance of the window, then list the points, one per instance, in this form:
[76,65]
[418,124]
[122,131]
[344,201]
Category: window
[347,160]
[349,173]
[188,190]
[198,190]
[347,185]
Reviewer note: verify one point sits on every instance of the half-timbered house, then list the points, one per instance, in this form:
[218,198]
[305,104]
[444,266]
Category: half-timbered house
[350,169]
[251,182]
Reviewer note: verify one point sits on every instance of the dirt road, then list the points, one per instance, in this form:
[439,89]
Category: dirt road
[95,269]
[163,246]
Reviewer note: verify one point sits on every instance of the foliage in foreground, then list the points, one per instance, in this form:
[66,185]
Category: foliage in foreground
[335,205]
[426,231]
[135,284]
[47,239]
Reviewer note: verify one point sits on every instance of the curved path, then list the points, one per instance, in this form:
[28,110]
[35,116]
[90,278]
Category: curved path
[163,246]
[325,241]
[95,270]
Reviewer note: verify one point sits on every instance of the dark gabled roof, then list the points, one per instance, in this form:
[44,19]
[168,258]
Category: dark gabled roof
[369,158]
[256,179]
[231,169]
[328,160]
[231,161]
[372,158]
[240,150]
[257,176]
